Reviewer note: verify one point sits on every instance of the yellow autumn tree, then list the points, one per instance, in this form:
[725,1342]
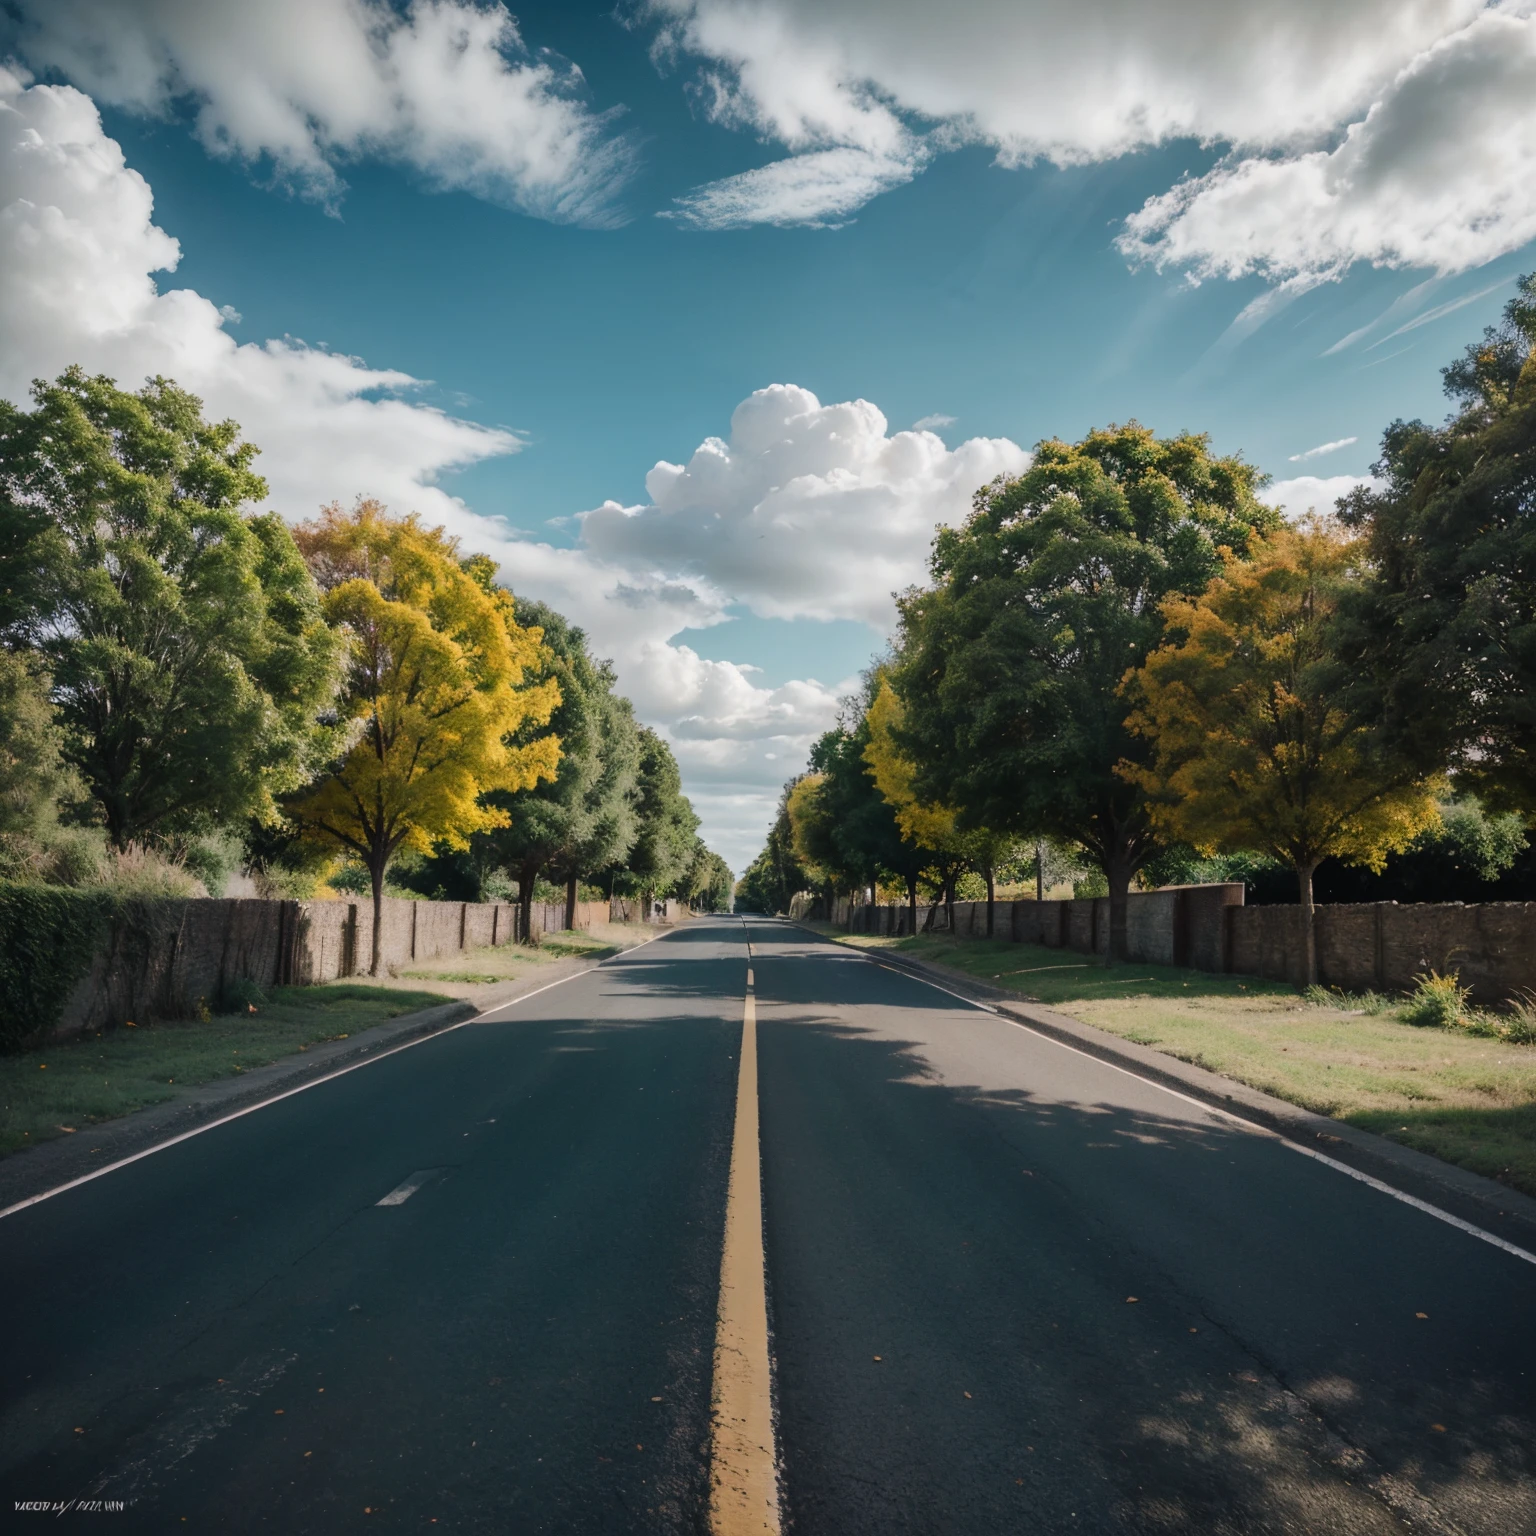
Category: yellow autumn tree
[1256,741]
[435,686]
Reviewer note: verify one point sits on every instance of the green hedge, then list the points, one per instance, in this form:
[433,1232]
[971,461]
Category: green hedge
[48,938]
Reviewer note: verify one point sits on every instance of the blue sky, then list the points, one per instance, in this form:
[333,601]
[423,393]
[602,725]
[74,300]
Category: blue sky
[982,291]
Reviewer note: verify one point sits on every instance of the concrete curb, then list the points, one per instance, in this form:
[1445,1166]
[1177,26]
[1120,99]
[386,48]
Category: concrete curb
[46,1166]
[1505,1212]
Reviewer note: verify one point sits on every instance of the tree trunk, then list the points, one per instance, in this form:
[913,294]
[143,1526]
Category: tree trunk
[1119,876]
[911,904]
[525,878]
[991,895]
[1308,922]
[1040,871]
[570,902]
[949,901]
[376,867]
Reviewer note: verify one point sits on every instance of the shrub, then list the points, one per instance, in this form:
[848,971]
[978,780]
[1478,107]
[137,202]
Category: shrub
[1519,1026]
[1368,1002]
[1437,1001]
[48,938]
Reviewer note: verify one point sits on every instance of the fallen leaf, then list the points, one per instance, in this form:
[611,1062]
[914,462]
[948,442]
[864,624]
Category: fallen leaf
[968,1394]
[639,1447]
[78,1430]
[655,1399]
[877,1357]
[1424,1315]
[277,1410]
[1439,1429]
[1133,1298]
[1194,1330]
[68,1128]
[309,1453]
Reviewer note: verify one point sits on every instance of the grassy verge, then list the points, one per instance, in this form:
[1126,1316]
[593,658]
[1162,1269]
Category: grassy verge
[1459,1096]
[508,962]
[67,1088]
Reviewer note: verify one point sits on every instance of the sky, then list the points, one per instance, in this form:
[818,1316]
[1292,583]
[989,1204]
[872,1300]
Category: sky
[701,315]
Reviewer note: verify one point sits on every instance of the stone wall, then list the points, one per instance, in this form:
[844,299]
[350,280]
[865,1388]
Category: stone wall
[172,958]
[1380,946]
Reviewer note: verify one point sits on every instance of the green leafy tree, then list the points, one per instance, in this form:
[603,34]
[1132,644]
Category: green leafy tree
[665,826]
[581,818]
[188,652]
[773,878]
[709,880]
[1010,664]
[1444,633]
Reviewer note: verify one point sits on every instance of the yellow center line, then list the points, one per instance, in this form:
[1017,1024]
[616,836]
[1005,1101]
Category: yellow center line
[744,1491]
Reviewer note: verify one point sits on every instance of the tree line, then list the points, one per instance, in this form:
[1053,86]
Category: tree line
[188,685]
[1125,654]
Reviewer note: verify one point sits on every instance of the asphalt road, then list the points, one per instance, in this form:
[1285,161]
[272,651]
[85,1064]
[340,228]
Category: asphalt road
[233,1335]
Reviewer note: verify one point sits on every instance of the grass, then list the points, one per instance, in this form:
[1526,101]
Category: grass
[69,1087]
[507,962]
[1466,1097]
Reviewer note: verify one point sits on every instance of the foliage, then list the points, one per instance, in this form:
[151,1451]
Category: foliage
[581,817]
[1010,664]
[185,642]
[709,882]
[434,693]
[1255,745]
[1436,1001]
[666,825]
[48,938]
[1445,630]
[776,874]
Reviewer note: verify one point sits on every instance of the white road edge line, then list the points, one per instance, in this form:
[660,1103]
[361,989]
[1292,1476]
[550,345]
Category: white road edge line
[250,1109]
[1248,1125]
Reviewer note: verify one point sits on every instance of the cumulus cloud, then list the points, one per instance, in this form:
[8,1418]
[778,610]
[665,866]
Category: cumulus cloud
[1312,493]
[806,510]
[447,87]
[78,252]
[1322,448]
[1034,80]
[1437,173]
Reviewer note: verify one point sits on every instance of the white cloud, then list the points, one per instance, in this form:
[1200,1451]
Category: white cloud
[807,511]
[447,87]
[78,250]
[1437,173]
[1322,448]
[820,189]
[933,423]
[1037,80]
[1310,493]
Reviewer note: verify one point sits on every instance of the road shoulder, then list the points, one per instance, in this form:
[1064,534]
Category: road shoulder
[1505,1212]
[25,1175]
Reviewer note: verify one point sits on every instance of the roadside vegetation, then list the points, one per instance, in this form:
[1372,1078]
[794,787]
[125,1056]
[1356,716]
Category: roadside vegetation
[1423,1070]
[510,962]
[1127,665]
[71,1086]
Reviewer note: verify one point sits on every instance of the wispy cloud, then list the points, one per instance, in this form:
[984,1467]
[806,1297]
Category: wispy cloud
[933,422]
[1322,448]
[1440,310]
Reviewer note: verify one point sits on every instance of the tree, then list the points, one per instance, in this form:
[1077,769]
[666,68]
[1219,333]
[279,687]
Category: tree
[930,829]
[1444,631]
[708,885]
[772,879]
[665,824]
[436,686]
[1255,743]
[581,817]
[865,832]
[188,653]
[1009,665]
